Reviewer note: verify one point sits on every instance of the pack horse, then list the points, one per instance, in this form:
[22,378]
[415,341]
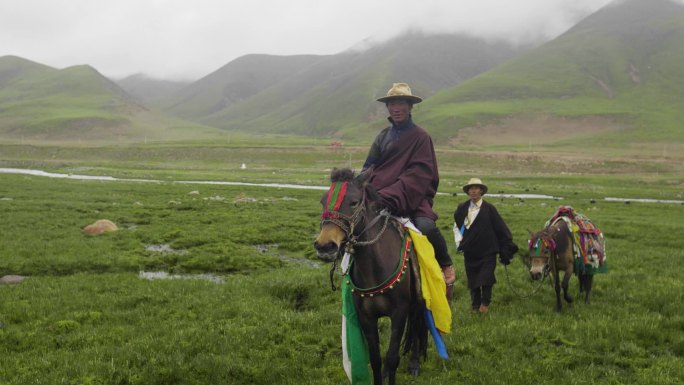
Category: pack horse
[569,242]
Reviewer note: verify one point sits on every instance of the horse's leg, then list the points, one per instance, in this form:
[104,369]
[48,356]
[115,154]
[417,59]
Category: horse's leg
[418,333]
[566,285]
[392,357]
[414,363]
[557,286]
[569,263]
[588,282]
[370,331]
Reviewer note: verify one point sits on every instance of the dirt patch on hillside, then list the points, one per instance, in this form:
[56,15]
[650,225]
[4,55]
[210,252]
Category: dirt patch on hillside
[534,130]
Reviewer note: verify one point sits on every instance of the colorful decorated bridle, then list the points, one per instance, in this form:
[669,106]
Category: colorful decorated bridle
[331,213]
[348,223]
[536,247]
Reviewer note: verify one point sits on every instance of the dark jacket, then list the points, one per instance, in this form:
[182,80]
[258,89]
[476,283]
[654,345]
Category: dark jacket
[487,236]
[404,170]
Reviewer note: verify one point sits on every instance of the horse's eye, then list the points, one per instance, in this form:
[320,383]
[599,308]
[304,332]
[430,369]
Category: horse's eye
[353,204]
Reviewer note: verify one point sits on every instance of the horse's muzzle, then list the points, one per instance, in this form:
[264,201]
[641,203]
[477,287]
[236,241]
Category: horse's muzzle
[329,241]
[536,275]
[328,251]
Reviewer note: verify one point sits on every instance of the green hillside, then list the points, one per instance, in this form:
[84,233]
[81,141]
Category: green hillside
[149,90]
[13,68]
[330,92]
[232,83]
[619,68]
[77,103]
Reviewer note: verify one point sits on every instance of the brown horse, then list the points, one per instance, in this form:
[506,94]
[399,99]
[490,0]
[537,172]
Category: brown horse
[551,250]
[381,287]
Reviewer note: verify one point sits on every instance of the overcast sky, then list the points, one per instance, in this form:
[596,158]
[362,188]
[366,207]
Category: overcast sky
[182,39]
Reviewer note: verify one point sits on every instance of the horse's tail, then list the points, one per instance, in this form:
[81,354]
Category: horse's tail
[416,332]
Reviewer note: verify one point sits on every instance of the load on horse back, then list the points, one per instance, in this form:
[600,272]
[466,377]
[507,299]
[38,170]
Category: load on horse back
[380,279]
[569,242]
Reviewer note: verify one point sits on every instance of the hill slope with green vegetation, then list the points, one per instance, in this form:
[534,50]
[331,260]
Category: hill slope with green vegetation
[614,79]
[38,102]
[232,83]
[149,90]
[319,94]
[612,82]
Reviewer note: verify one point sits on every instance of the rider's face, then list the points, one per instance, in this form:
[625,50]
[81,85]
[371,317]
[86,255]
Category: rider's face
[399,110]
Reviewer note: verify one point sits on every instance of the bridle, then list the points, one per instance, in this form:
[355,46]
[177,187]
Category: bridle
[536,248]
[548,243]
[544,242]
[349,225]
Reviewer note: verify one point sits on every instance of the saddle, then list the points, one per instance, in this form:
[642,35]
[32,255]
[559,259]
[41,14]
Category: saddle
[588,241]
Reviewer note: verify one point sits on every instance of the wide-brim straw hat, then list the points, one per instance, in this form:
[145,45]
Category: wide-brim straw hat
[475,182]
[400,91]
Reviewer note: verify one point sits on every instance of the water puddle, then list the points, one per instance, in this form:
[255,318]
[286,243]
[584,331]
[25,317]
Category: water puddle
[165,249]
[264,249]
[155,275]
[628,200]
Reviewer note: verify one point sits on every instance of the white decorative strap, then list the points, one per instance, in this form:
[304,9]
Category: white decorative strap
[346,259]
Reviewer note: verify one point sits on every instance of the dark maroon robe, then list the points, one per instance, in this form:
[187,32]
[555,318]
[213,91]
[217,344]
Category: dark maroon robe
[405,173]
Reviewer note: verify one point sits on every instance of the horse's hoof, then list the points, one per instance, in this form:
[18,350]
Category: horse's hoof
[414,372]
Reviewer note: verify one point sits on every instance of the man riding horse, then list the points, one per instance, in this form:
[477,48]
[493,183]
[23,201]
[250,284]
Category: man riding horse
[403,169]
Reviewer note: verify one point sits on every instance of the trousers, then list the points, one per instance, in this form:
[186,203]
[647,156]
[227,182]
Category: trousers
[480,296]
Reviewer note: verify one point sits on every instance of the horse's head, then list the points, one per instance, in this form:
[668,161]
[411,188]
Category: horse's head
[343,209]
[541,246]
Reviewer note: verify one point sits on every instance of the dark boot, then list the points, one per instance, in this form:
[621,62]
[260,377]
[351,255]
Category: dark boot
[439,244]
[429,229]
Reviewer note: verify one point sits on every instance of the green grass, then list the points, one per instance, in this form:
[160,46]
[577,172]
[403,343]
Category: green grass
[83,316]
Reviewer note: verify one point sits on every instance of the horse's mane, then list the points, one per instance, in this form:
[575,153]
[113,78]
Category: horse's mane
[341,175]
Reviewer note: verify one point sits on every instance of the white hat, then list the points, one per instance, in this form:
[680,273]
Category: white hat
[475,182]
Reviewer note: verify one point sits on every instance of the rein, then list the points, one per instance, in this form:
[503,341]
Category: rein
[534,290]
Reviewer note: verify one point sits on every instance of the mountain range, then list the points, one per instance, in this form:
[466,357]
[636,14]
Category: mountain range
[615,77]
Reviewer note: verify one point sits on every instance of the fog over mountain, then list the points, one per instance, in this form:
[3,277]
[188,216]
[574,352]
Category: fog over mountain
[615,77]
[180,40]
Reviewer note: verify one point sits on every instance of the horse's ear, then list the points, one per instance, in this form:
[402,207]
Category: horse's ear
[363,176]
[341,175]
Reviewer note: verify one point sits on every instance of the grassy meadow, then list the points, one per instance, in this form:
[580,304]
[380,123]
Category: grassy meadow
[255,305]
